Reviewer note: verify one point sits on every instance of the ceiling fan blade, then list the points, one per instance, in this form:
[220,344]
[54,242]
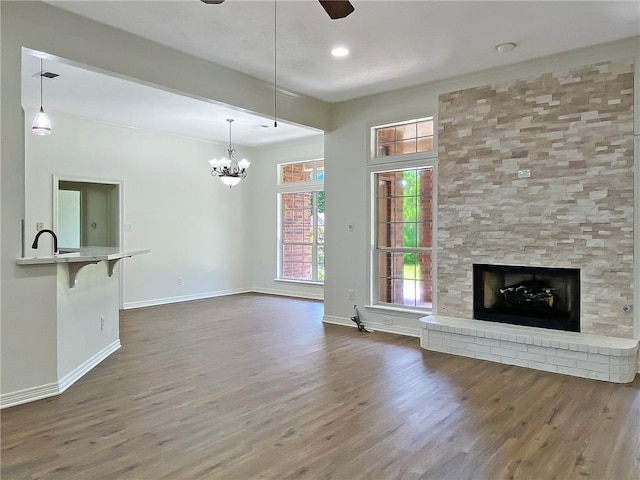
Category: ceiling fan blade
[337,8]
[212,2]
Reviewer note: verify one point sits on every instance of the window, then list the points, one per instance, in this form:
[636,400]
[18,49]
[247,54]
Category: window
[302,172]
[301,200]
[413,136]
[402,256]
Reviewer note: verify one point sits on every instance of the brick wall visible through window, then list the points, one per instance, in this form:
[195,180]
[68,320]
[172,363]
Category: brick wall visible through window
[414,136]
[302,221]
[404,215]
[302,171]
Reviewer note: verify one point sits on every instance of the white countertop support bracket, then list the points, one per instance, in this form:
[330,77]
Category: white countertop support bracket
[112,264]
[74,270]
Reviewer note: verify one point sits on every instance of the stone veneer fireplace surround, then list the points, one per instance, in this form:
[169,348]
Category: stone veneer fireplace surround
[573,129]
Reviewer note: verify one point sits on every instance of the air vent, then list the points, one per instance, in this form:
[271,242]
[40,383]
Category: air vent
[46,74]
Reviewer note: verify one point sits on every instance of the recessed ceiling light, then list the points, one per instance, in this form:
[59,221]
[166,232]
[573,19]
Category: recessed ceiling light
[506,47]
[340,52]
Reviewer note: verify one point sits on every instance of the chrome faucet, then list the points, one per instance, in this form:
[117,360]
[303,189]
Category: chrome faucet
[55,240]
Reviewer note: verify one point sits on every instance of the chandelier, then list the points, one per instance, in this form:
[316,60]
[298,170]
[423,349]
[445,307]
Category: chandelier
[229,170]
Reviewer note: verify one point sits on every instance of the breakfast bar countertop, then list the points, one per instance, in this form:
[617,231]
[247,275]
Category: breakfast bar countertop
[84,254]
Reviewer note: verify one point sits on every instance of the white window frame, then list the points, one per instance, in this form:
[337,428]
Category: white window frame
[393,166]
[403,157]
[299,187]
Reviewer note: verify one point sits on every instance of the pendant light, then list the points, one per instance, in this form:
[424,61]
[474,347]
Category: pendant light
[41,123]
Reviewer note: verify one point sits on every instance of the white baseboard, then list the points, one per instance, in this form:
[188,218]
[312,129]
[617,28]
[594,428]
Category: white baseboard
[376,327]
[74,375]
[287,293]
[32,394]
[346,322]
[182,298]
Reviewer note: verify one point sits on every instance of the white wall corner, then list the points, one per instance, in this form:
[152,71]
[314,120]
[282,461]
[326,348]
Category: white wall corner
[40,392]
[73,376]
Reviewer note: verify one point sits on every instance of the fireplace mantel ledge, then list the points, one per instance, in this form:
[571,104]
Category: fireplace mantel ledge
[598,357]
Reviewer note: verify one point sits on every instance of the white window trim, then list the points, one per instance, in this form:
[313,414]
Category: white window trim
[404,157]
[297,187]
[279,182]
[300,282]
[372,265]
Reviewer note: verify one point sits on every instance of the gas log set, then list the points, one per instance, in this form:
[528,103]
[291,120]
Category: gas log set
[526,295]
[529,294]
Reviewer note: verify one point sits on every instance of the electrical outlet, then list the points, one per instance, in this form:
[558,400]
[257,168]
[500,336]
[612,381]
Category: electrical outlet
[350,227]
[179,280]
[351,294]
[524,173]
[127,227]
[101,323]
[40,226]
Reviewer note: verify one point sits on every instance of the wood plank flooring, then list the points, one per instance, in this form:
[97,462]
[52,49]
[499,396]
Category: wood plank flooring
[256,387]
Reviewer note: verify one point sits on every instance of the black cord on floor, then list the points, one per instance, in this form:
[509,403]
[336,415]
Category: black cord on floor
[358,322]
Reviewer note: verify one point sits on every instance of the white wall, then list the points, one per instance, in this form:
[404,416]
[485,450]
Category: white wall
[193,224]
[263,172]
[347,153]
[28,357]
[87,316]
[28,295]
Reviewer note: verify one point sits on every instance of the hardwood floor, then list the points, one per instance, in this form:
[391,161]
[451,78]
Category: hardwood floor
[256,387]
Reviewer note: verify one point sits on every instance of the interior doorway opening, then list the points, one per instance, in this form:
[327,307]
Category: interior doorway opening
[86,213]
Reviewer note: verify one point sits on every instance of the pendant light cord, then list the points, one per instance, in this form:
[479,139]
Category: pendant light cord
[275,63]
[40,83]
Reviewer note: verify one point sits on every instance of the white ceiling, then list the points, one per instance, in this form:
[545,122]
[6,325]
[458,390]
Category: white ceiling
[82,92]
[393,43]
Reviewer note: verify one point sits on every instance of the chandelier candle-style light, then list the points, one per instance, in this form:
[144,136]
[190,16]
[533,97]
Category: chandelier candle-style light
[41,123]
[229,170]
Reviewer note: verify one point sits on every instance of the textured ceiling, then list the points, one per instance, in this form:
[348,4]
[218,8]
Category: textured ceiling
[393,44]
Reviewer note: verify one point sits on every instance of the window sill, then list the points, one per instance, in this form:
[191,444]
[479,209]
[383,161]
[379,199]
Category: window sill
[406,311]
[302,282]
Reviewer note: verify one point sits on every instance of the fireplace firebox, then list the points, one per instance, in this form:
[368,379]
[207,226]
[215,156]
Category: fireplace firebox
[531,296]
